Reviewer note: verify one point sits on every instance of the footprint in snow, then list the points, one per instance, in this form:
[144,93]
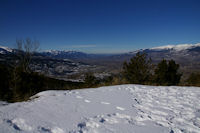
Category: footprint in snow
[75,92]
[120,108]
[53,130]
[19,124]
[105,103]
[137,101]
[87,101]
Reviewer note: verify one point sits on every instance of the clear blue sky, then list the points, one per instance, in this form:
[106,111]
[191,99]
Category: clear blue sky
[100,26]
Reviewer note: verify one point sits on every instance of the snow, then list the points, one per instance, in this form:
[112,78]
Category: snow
[177,47]
[6,49]
[113,109]
[57,52]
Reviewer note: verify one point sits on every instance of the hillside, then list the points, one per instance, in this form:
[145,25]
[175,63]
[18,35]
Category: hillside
[116,109]
[65,69]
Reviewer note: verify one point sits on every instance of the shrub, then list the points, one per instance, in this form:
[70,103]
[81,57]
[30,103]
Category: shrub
[193,79]
[25,84]
[90,80]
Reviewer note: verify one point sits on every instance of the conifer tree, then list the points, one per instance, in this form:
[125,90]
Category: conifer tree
[160,73]
[167,73]
[138,70]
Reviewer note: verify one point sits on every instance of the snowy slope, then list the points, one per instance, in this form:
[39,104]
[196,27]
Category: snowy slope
[115,109]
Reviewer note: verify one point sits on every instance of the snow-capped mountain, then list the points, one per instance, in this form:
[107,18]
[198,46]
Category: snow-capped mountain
[5,50]
[183,49]
[179,47]
[64,54]
[182,52]
[172,51]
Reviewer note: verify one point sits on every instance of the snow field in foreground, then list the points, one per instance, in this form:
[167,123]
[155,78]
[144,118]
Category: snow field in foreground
[114,109]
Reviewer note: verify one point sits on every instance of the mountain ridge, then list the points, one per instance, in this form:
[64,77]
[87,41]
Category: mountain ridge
[179,47]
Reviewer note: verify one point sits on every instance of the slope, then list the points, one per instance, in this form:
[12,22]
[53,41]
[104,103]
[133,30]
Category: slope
[114,109]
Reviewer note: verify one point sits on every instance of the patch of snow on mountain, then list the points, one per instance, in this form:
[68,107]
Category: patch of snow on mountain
[163,47]
[177,47]
[113,109]
[56,52]
[6,49]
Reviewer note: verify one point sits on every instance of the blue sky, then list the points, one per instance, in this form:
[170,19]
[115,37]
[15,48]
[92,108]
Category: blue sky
[100,26]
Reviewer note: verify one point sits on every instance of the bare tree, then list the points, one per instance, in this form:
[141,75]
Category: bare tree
[24,52]
[25,49]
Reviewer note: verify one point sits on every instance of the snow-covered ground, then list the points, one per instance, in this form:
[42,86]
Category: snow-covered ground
[115,109]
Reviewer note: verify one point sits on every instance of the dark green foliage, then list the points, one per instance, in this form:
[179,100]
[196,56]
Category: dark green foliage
[18,85]
[55,84]
[160,73]
[115,79]
[194,79]
[166,73]
[27,84]
[5,91]
[90,80]
[137,71]
[173,75]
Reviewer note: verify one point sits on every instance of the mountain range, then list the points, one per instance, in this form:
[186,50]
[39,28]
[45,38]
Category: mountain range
[186,49]
[181,53]
[187,55]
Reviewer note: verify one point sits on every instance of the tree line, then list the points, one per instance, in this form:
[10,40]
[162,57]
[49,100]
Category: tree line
[141,70]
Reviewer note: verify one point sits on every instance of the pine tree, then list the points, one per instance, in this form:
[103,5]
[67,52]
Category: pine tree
[137,71]
[166,73]
[160,73]
[173,75]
